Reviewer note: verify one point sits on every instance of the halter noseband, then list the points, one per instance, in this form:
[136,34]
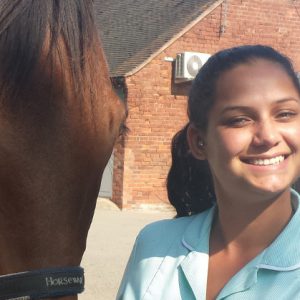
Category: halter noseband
[46,283]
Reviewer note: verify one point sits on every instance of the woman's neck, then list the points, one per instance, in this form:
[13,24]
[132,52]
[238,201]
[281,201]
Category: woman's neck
[242,226]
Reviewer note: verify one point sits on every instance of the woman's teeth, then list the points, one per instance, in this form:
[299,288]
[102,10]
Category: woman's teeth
[266,162]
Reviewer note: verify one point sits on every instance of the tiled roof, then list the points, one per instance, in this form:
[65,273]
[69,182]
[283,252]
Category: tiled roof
[133,30]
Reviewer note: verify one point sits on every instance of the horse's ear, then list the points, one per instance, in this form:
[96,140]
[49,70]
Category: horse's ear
[195,139]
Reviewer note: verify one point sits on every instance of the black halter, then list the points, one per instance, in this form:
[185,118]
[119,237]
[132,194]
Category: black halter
[47,283]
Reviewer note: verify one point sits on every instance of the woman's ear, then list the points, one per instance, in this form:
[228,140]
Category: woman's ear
[196,142]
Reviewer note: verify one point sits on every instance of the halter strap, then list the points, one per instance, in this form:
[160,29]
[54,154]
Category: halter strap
[33,285]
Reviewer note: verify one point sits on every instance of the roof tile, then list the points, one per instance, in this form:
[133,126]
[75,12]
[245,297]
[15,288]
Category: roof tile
[133,30]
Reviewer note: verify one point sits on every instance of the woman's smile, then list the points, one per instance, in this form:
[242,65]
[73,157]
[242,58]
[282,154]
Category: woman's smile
[265,161]
[271,165]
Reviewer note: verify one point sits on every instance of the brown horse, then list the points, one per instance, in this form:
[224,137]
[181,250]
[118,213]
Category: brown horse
[59,120]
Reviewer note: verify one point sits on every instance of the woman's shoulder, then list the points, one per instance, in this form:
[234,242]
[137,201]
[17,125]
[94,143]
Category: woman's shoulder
[162,234]
[175,223]
[163,227]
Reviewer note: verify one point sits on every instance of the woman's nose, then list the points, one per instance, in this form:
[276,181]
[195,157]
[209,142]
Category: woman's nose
[266,134]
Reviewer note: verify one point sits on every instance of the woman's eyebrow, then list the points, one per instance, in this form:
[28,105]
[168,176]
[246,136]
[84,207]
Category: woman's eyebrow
[236,107]
[248,108]
[287,100]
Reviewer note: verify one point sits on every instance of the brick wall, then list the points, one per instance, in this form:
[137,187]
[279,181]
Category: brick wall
[157,107]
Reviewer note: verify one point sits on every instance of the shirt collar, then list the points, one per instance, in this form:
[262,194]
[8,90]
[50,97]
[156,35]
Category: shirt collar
[196,240]
[196,236]
[284,254]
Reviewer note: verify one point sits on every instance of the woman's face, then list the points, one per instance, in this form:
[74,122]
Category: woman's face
[252,142]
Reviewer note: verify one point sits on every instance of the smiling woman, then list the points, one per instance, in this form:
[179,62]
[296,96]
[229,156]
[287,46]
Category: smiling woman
[59,120]
[233,166]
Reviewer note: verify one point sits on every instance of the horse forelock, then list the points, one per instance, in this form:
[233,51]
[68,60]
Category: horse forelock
[33,31]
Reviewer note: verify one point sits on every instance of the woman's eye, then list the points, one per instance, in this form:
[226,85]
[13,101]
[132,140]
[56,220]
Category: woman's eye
[238,122]
[286,115]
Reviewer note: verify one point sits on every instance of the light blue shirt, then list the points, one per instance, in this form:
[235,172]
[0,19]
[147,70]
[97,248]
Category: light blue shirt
[169,261]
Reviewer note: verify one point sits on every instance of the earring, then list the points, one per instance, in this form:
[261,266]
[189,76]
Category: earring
[200,143]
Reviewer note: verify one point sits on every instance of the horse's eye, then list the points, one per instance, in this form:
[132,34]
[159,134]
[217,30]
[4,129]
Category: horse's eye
[119,86]
[123,130]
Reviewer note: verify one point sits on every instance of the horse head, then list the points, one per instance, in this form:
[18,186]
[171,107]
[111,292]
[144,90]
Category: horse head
[59,120]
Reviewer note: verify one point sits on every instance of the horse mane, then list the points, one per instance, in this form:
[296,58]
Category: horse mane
[26,26]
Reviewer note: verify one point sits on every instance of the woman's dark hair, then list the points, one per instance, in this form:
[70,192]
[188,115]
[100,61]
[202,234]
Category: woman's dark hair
[189,182]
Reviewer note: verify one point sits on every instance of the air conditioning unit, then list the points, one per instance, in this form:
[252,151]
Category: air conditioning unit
[188,64]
